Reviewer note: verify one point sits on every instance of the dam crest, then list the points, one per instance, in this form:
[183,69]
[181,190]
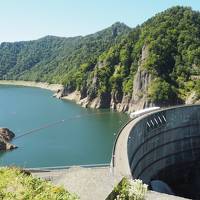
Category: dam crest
[163,145]
[160,146]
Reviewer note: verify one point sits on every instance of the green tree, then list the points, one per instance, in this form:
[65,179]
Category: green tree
[161,92]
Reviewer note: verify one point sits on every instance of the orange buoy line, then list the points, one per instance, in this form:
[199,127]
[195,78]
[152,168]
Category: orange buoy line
[45,126]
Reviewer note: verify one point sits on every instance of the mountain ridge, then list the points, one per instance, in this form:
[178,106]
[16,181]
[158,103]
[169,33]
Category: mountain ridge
[116,24]
[126,69]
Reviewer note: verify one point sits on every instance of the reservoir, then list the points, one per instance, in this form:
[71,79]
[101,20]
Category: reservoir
[82,136]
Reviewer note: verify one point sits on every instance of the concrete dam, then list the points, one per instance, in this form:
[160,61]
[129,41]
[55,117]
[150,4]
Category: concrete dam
[163,145]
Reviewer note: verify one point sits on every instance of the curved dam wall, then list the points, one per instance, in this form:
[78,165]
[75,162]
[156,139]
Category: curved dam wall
[165,145]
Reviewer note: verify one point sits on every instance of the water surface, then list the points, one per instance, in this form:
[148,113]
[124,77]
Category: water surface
[85,136]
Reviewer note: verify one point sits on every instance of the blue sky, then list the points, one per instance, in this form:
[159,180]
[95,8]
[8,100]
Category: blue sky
[32,19]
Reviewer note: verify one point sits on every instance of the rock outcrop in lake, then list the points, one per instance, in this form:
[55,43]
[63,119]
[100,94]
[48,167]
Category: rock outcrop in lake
[6,136]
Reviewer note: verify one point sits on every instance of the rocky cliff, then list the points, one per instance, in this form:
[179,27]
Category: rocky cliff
[5,137]
[155,63]
[139,98]
[114,100]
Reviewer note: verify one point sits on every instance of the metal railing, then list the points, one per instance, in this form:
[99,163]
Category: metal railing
[42,169]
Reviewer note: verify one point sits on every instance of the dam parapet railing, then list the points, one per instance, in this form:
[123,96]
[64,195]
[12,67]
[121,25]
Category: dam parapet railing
[55,168]
[154,145]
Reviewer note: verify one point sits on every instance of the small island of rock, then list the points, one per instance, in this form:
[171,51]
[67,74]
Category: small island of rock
[6,136]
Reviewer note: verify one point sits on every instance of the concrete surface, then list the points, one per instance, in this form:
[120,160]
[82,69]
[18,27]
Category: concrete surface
[87,183]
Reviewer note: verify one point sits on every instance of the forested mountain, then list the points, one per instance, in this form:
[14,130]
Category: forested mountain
[49,58]
[156,63]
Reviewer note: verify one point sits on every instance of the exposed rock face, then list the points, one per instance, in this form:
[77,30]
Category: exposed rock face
[142,80]
[116,99]
[103,101]
[192,99]
[124,105]
[63,92]
[145,54]
[5,136]
[139,98]
[87,96]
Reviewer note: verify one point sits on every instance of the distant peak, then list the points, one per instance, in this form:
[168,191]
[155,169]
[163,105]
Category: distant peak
[120,25]
[118,28]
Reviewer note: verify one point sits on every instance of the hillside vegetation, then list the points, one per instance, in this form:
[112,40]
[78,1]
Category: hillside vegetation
[51,58]
[14,184]
[156,63]
[129,189]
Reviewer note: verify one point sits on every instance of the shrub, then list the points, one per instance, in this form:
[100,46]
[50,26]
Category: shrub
[14,184]
[161,92]
[129,189]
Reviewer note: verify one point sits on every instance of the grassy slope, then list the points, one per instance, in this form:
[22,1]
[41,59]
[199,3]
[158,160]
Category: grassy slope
[14,184]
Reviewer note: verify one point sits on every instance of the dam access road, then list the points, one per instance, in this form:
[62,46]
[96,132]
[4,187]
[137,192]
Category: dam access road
[149,147]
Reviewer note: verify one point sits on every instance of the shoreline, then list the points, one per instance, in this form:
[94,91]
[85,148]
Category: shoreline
[43,85]
[74,96]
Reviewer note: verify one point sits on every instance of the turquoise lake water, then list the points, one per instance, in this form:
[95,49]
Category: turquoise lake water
[85,136]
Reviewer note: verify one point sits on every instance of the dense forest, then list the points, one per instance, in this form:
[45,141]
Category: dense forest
[155,63]
[51,58]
